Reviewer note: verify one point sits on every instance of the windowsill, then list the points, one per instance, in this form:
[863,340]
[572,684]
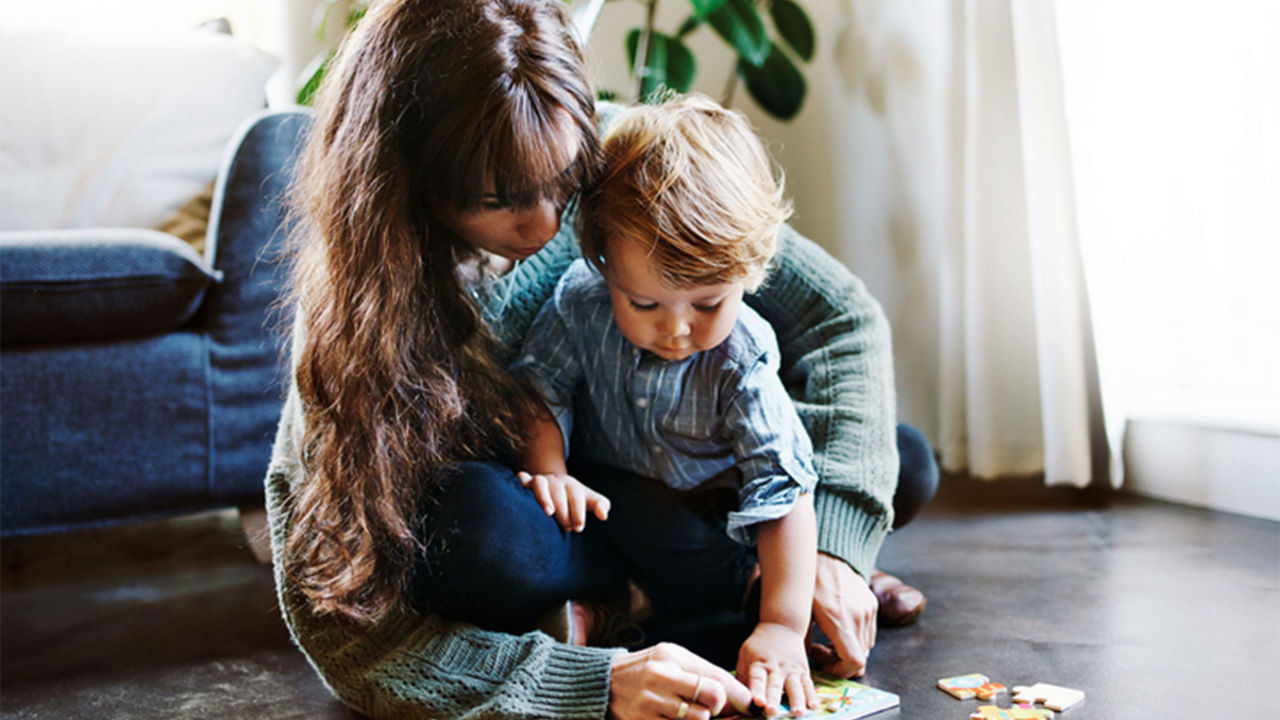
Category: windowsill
[1220,463]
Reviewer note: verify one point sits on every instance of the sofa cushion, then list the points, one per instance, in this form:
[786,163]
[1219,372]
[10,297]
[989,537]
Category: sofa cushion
[95,432]
[116,128]
[70,285]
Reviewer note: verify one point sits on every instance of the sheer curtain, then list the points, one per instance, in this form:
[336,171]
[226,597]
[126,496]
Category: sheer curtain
[1175,118]
[1019,386]
[957,206]
[1112,155]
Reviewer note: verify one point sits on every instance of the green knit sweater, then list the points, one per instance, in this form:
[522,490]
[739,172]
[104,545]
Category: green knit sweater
[836,364]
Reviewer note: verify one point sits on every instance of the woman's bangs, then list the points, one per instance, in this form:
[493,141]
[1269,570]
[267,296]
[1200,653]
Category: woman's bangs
[535,159]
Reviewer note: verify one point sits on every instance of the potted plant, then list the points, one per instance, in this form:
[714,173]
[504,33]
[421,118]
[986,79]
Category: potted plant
[764,63]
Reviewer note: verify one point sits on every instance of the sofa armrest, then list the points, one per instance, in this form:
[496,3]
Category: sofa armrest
[91,284]
[248,231]
[248,223]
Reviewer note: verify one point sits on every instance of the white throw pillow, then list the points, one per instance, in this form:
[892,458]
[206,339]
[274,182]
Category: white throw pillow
[112,129]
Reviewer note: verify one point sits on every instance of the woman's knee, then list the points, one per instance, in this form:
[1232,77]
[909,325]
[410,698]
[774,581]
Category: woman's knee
[499,560]
[486,522]
[917,475]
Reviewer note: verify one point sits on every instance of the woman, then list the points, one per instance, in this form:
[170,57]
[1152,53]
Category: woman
[451,135]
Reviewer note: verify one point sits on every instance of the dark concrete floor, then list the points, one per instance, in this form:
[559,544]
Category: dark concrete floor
[1154,610]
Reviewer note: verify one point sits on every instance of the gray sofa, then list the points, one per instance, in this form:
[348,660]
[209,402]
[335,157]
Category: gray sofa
[140,379]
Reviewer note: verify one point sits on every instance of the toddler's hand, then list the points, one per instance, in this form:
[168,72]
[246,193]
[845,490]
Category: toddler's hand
[773,660]
[566,499]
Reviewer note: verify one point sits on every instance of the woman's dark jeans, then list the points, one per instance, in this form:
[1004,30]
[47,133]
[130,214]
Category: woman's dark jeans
[498,560]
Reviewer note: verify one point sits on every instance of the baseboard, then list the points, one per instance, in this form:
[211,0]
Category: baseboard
[1219,467]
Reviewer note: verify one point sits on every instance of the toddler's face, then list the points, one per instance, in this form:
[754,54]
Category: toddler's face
[672,323]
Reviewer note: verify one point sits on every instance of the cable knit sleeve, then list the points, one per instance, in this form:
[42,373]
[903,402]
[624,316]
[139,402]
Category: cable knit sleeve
[837,365]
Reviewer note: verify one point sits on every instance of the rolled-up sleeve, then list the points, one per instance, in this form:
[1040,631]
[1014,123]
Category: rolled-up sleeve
[773,451]
[837,363]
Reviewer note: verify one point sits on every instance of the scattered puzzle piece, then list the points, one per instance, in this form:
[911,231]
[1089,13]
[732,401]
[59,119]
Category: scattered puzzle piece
[991,712]
[964,687]
[1053,697]
[988,691]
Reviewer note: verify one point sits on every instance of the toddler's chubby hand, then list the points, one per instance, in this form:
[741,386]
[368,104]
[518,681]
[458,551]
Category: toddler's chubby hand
[772,661]
[566,499]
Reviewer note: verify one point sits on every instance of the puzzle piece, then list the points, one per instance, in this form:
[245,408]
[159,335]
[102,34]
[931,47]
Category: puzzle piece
[1053,697]
[991,712]
[963,687]
[988,691]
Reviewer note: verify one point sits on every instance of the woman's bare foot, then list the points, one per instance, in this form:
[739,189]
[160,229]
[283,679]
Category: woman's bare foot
[601,626]
[900,604]
[584,620]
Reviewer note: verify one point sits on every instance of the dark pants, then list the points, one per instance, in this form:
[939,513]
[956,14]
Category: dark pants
[502,563]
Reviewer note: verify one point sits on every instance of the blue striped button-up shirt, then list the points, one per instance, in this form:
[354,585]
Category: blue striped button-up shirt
[689,423]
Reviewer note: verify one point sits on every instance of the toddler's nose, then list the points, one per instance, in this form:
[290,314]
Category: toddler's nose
[673,325]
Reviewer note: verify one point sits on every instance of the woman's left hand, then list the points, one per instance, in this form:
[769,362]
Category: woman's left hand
[845,609]
[668,682]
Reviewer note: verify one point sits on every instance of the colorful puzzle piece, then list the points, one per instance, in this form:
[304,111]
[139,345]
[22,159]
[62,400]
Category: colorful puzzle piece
[963,687]
[1051,696]
[1022,712]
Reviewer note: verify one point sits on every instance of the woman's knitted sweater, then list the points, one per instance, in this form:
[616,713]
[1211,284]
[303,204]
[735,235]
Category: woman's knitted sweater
[836,364]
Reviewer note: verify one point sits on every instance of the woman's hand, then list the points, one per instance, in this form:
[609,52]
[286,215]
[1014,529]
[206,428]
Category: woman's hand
[773,661]
[566,499]
[845,609]
[668,681]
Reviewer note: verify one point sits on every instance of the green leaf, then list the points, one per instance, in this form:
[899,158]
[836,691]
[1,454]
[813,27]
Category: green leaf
[702,9]
[691,23]
[317,69]
[793,25]
[777,86]
[740,25]
[669,63]
[355,15]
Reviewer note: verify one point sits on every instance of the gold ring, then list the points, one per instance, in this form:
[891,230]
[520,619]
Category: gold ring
[684,710]
[696,689]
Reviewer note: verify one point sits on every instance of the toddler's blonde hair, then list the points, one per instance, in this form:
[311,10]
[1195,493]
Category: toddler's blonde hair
[690,181]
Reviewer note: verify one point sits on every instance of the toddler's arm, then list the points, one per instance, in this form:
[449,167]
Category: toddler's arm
[544,443]
[544,472]
[774,659]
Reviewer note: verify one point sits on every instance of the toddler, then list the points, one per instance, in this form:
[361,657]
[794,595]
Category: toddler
[673,377]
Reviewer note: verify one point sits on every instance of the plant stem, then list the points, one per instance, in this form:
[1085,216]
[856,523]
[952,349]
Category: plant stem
[641,70]
[730,85]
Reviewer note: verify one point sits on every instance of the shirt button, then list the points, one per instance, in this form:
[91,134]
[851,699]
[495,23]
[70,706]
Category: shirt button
[656,448]
[528,358]
[642,403]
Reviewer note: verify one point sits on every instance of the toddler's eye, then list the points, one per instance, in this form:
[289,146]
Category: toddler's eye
[642,306]
[708,308]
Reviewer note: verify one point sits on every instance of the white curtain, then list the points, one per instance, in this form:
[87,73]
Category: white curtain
[1018,391]
[982,151]
[1175,122]
[955,203]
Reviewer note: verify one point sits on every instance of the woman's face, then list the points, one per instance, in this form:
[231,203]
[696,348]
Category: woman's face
[508,227]
[511,232]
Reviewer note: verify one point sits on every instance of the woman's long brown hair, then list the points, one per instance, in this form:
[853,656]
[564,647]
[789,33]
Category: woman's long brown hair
[426,105]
